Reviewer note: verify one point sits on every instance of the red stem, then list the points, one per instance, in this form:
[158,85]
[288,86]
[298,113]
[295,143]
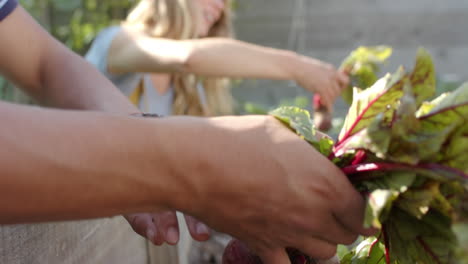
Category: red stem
[428,249]
[374,243]
[386,243]
[358,119]
[369,167]
[359,157]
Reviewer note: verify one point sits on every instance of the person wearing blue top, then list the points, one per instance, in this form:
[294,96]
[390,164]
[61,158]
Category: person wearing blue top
[86,154]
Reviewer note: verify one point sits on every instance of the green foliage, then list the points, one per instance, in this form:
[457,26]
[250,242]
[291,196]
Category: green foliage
[256,109]
[410,159]
[299,120]
[77,22]
[363,65]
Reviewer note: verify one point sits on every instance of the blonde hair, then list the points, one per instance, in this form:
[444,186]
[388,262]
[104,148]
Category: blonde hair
[175,19]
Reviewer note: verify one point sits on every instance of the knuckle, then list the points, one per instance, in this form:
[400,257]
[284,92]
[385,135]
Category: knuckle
[327,252]
[349,239]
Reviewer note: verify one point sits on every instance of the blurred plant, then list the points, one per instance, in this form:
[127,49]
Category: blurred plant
[258,109]
[73,22]
[77,22]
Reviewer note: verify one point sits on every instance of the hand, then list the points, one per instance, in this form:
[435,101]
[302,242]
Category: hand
[322,78]
[163,227]
[256,180]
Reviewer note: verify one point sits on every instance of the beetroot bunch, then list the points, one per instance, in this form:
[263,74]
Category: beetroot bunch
[407,155]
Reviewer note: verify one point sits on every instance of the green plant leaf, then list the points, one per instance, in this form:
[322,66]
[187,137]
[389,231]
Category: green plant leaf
[428,240]
[363,65]
[423,77]
[452,110]
[369,251]
[417,201]
[299,121]
[454,153]
[378,207]
[380,99]
[426,107]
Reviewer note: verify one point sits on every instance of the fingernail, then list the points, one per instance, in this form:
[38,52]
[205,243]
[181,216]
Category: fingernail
[202,229]
[150,235]
[172,235]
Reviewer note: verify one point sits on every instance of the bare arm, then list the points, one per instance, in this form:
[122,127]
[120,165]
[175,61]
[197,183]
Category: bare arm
[136,52]
[59,164]
[223,57]
[57,77]
[51,73]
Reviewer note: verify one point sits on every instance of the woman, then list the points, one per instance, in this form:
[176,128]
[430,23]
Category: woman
[165,49]
[172,57]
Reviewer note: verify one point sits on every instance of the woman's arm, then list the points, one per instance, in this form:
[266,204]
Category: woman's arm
[51,73]
[222,57]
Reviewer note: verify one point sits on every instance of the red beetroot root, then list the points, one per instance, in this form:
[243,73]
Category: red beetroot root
[237,252]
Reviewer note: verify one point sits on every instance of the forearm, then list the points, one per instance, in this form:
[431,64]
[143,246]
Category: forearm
[217,57]
[59,165]
[236,59]
[68,81]
[50,72]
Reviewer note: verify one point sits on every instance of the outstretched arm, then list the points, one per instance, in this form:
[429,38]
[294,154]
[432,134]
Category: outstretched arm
[223,57]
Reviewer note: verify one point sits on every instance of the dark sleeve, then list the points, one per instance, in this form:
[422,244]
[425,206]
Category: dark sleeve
[6,7]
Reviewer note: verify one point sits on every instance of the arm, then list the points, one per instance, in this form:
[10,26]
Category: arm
[223,57]
[69,169]
[59,165]
[51,73]
[57,77]
[218,57]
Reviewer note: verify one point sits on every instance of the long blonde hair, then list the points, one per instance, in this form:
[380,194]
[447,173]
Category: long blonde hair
[175,19]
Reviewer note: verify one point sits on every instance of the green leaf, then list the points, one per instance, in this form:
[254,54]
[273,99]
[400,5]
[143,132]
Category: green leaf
[461,230]
[455,152]
[369,251]
[398,181]
[416,202]
[378,207]
[342,251]
[299,121]
[66,5]
[426,107]
[255,109]
[375,138]
[363,65]
[429,240]
[423,77]
[380,99]
[451,111]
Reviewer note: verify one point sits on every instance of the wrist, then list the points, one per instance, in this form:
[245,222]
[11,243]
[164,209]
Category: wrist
[294,66]
[181,140]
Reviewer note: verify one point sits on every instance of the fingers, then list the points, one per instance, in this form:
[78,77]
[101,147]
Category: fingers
[350,212]
[317,249]
[197,229]
[336,233]
[157,227]
[142,224]
[276,256]
[167,226]
[343,79]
